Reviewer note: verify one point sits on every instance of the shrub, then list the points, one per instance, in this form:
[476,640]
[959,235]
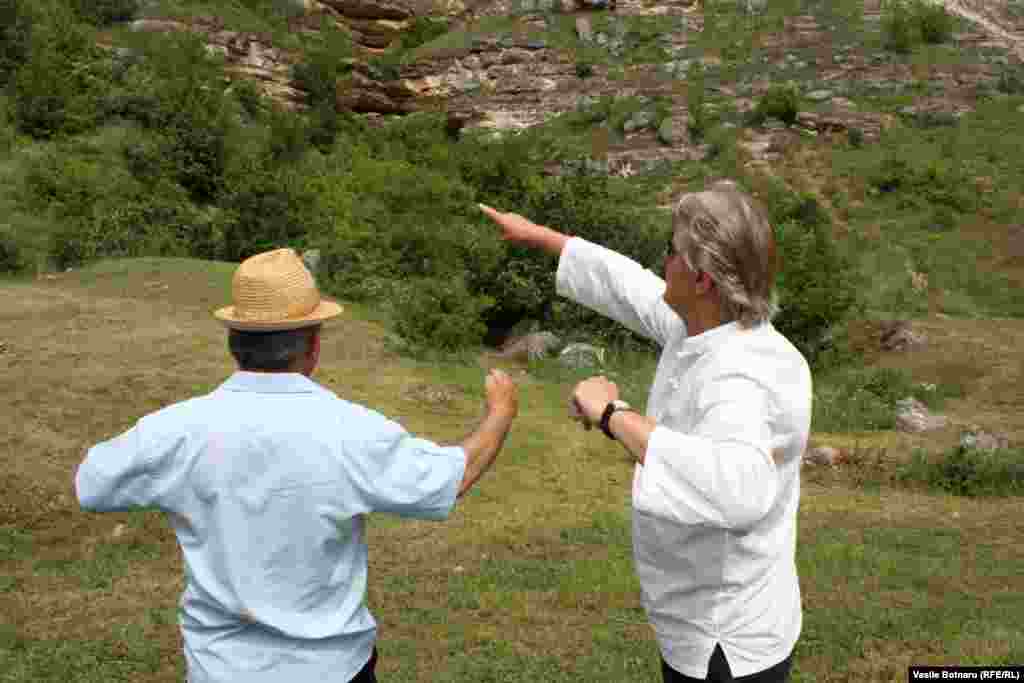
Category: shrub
[440,313]
[105,12]
[779,102]
[11,257]
[969,472]
[15,37]
[924,183]
[318,74]
[188,108]
[58,85]
[934,21]
[907,23]
[1011,81]
[249,97]
[266,208]
[818,284]
[422,31]
[584,68]
[695,100]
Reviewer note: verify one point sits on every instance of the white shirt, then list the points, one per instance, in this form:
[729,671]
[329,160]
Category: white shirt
[266,481]
[715,502]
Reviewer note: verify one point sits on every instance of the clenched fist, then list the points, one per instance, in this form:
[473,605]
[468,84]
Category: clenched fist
[501,394]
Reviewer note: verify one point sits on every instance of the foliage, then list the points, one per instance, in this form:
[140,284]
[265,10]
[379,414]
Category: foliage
[324,63]
[423,30]
[781,101]
[695,99]
[924,183]
[62,75]
[15,37]
[440,313]
[818,284]
[1011,81]
[907,23]
[969,472]
[11,256]
[105,12]
[179,93]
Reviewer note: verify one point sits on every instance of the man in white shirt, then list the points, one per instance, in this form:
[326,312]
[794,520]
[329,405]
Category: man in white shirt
[717,481]
[267,480]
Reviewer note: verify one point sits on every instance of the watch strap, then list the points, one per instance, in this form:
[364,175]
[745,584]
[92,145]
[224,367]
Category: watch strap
[606,416]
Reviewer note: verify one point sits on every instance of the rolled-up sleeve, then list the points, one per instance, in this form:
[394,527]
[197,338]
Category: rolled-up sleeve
[120,474]
[617,287]
[722,474]
[401,474]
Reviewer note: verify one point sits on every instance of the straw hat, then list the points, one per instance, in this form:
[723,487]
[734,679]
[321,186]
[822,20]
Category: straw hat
[274,291]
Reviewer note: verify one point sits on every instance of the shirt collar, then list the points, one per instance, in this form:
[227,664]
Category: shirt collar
[270,383]
[702,343]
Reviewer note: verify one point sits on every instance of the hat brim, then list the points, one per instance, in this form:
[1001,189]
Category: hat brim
[327,309]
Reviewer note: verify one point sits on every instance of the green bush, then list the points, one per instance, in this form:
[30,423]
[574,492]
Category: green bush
[818,283]
[105,12]
[422,31]
[15,37]
[779,102]
[11,257]
[922,183]
[969,472]
[440,313]
[1011,81]
[907,23]
[324,63]
[267,208]
[182,97]
[696,96]
[63,75]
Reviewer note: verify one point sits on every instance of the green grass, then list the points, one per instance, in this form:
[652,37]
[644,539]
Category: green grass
[968,472]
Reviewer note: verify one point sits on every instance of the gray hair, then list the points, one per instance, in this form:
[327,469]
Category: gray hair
[270,351]
[725,233]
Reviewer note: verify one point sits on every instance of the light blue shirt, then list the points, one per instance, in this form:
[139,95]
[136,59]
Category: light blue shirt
[266,481]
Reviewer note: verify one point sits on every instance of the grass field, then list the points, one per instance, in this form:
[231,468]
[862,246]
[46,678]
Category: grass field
[531,578]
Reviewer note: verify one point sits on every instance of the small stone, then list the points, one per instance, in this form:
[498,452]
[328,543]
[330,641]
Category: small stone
[311,259]
[581,355]
[823,455]
[912,416]
[983,441]
[819,95]
[118,531]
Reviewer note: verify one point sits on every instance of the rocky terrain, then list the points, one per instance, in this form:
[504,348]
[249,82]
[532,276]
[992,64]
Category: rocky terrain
[512,64]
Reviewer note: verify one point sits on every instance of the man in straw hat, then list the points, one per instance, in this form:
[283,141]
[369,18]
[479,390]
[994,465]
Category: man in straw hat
[266,481]
[717,479]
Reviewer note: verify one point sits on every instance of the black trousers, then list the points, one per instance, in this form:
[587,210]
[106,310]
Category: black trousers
[366,674]
[719,672]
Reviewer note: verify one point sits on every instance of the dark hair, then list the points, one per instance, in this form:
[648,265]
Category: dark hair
[270,351]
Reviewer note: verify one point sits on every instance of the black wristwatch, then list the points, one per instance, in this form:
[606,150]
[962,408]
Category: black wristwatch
[606,416]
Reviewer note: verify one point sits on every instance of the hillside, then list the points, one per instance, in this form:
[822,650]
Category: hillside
[135,173]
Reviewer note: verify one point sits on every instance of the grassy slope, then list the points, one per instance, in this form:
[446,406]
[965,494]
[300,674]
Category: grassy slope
[531,578]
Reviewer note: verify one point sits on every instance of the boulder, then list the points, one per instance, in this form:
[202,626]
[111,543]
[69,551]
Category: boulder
[897,335]
[531,346]
[311,259]
[913,416]
[980,440]
[824,455]
[582,356]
